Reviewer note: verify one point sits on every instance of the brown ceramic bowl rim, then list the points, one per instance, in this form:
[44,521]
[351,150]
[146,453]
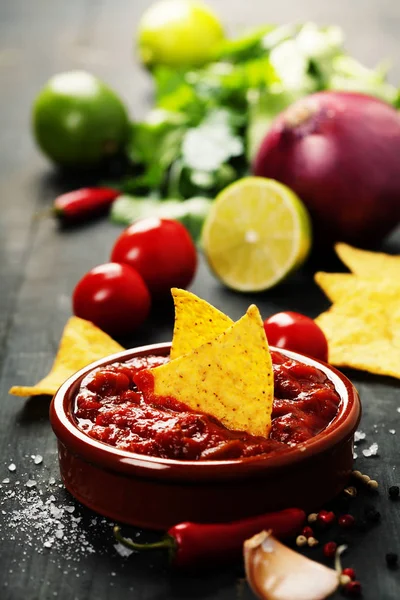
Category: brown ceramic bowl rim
[340,429]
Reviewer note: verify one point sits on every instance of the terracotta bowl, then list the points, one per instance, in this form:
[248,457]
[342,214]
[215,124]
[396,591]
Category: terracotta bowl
[157,493]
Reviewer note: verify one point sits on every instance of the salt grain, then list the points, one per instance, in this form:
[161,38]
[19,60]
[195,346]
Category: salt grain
[123,550]
[12,467]
[31,483]
[392,431]
[38,459]
[371,451]
[398,409]
[55,512]
[6,480]
[52,481]
[359,435]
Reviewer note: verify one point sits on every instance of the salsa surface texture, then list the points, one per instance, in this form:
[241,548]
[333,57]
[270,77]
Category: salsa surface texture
[109,408]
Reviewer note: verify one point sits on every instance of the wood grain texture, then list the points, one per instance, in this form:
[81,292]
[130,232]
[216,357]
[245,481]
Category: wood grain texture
[40,264]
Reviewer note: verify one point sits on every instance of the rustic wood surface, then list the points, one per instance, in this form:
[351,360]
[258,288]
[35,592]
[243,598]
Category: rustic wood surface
[40,263]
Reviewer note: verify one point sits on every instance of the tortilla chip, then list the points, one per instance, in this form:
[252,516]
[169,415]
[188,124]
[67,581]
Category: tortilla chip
[363,336]
[81,344]
[342,287]
[196,322]
[369,264]
[230,377]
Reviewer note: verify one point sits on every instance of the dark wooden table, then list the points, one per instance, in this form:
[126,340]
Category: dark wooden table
[39,265]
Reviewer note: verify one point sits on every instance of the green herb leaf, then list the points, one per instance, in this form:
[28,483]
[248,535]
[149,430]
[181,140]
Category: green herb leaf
[155,144]
[191,213]
[247,46]
[349,74]
[126,209]
[206,147]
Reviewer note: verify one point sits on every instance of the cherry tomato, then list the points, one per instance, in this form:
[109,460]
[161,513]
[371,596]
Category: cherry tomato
[293,331]
[114,297]
[161,250]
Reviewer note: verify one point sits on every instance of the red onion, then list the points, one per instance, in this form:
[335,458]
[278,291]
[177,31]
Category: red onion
[340,152]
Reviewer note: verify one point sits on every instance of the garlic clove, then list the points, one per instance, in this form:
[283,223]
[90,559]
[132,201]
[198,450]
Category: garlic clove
[275,572]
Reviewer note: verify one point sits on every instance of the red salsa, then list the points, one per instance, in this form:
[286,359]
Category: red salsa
[110,408]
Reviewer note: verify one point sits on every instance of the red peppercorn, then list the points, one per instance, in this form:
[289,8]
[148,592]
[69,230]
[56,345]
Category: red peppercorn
[346,521]
[307,532]
[325,517]
[353,588]
[349,572]
[330,549]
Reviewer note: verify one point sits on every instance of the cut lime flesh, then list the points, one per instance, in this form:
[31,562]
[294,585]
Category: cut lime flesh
[257,232]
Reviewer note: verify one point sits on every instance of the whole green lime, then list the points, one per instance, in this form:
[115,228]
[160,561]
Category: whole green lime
[78,120]
[178,33]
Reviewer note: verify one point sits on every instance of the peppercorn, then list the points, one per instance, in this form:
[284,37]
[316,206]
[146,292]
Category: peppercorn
[329,549]
[373,484]
[307,532]
[350,572]
[312,517]
[353,588]
[361,525]
[366,478]
[312,542]
[357,474]
[391,559]
[301,540]
[325,517]
[394,492]
[346,521]
[344,580]
[351,491]
[373,515]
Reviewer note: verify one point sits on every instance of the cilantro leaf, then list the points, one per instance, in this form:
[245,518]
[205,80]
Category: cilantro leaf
[206,147]
[191,213]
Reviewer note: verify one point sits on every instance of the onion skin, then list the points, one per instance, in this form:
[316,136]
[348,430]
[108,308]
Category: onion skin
[340,152]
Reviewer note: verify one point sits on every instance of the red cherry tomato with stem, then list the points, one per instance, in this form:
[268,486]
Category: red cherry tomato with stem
[294,331]
[114,297]
[161,250]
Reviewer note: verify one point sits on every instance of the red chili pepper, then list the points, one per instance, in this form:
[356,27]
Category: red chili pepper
[83,203]
[192,545]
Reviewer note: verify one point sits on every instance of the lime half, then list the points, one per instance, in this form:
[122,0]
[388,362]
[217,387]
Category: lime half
[256,233]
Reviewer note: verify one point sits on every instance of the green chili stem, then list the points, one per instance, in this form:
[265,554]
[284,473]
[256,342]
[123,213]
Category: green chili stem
[166,543]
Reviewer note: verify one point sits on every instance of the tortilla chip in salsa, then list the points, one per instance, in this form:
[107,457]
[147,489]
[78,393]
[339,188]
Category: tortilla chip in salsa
[196,322]
[230,377]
